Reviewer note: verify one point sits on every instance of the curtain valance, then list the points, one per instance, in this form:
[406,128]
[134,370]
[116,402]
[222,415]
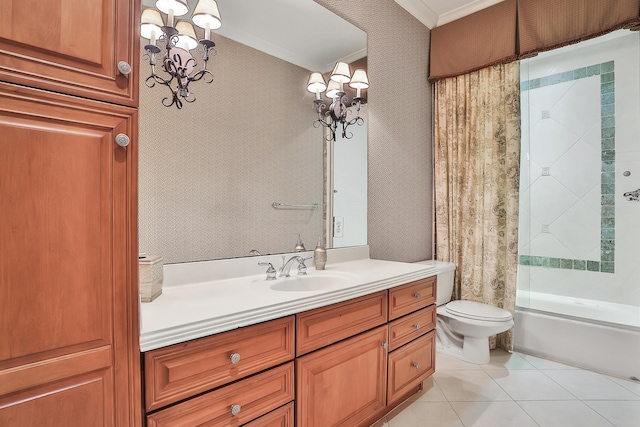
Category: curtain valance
[514,29]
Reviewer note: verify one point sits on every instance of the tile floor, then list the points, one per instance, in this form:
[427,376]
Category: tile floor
[518,390]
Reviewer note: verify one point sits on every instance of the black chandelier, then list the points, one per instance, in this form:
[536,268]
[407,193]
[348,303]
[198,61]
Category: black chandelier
[178,41]
[338,113]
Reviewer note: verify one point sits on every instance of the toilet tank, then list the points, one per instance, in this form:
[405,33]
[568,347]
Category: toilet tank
[446,272]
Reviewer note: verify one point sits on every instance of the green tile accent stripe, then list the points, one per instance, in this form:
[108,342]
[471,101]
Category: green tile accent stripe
[606,71]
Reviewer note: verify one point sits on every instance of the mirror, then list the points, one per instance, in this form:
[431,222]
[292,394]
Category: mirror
[211,172]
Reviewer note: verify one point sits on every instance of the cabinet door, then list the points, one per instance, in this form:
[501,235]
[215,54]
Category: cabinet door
[71,46]
[343,384]
[410,365]
[68,270]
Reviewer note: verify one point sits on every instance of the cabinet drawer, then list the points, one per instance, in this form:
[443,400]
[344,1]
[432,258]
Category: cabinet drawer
[411,297]
[411,326]
[410,365]
[254,397]
[281,417]
[327,325]
[182,370]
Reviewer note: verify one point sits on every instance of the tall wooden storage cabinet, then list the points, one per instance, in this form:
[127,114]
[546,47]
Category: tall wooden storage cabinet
[69,352]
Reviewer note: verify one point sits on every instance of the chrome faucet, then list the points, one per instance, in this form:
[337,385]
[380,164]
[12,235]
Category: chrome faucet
[271,272]
[286,266]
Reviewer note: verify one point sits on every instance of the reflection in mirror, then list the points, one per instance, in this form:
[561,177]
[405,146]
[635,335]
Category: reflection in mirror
[210,172]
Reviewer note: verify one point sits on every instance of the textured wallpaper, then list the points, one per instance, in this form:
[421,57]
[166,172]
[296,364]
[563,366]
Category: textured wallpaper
[198,164]
[400,128]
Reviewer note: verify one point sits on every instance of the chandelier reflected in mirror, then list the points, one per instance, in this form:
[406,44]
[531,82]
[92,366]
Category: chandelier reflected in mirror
[178,65]
[338,114]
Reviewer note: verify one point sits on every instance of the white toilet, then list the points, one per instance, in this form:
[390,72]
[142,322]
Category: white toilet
[464,327]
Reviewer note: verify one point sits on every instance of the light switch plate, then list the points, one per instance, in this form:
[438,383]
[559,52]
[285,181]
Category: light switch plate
[338,226]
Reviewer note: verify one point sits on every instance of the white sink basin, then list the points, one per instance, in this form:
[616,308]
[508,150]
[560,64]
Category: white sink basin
[312,282]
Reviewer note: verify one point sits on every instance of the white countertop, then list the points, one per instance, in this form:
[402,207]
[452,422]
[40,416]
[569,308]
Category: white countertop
[186,311]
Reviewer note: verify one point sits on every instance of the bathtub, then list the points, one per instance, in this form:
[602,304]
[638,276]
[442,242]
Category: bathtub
[601,336]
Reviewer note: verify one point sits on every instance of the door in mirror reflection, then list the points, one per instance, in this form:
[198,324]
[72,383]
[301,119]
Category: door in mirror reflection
[349,187]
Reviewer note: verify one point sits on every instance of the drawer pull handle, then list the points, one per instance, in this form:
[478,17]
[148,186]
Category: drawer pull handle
[122,140]
[235,358]
[235,409]
[417,326]
[417,295]
[124,68]
[385,345]
[416,365]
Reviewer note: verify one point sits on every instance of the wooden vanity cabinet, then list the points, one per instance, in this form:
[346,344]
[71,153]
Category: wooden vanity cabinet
[227,379]
[69,328]
[233,405]
[343,384]
[69,351]
[281,417]
[372,358]
[72,47]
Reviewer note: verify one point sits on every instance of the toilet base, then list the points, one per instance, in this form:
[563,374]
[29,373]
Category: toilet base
[474,350]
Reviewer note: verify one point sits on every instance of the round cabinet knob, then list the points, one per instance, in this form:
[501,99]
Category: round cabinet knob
[235,409]
[416,365]
[235,358]
[417,295]
[417,326]
[122,140]
[124,68]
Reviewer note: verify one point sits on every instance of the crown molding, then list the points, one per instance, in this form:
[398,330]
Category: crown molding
[421,11]
[465,10]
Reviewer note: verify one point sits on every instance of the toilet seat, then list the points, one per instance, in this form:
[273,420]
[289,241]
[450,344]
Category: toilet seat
[477,311]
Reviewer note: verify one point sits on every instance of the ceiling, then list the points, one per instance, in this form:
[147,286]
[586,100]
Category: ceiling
[434,13]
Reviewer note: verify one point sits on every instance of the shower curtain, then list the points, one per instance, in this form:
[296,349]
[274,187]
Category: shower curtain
[477,156]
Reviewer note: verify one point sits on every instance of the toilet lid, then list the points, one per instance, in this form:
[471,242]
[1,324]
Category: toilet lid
[477,311]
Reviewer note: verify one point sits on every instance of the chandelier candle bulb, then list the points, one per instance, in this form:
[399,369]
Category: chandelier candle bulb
[170,17]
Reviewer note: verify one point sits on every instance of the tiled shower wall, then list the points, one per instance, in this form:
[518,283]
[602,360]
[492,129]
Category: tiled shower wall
[577,233]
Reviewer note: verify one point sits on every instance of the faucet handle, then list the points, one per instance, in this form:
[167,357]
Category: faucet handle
[302,267]
[271,272]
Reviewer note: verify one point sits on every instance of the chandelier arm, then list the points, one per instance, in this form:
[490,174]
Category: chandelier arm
[200,74]
[175,99]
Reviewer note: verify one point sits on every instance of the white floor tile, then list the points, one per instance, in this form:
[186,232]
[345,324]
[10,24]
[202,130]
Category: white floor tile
[469,385]
[587,385]
[632,386]
[520,390]
[544,363]
[430,392]
[425,414]
[448,363]
[492,414]
[620,413]
[563,414]
[529,385]
[501,359]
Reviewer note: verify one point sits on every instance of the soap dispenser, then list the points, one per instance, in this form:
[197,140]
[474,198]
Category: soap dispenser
[320,255]
[299,245]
